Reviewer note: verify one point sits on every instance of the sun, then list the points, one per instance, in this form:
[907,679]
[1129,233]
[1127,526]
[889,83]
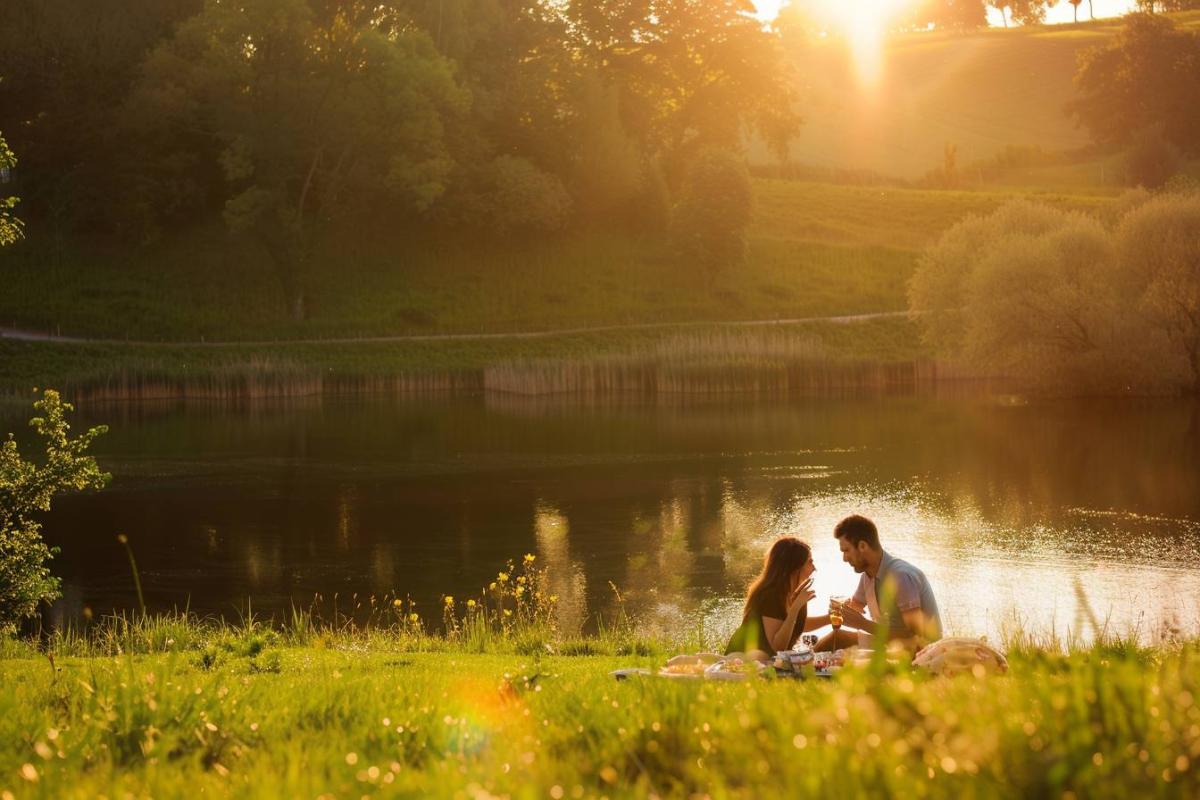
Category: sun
[863,25]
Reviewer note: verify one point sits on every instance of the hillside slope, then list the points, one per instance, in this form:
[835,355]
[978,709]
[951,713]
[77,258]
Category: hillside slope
[980,91]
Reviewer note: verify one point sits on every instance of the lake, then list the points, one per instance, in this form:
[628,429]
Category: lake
[1054,516]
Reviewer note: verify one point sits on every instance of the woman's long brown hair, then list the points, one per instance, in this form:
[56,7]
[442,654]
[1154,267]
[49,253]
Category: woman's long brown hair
[787,555]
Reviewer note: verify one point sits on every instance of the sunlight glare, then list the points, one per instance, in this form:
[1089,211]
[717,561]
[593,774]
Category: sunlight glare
[863,24]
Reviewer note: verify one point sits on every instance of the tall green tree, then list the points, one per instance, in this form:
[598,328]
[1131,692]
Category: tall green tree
[10,225]
[68,66]
[957,15]
[26,490]
[689,74]
[319,108]
[709,223]
[1147,76]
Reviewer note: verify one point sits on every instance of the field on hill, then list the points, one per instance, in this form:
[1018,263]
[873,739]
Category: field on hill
[981,91]
[814,250]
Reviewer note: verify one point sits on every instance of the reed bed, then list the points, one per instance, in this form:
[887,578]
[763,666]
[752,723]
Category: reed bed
[758,361]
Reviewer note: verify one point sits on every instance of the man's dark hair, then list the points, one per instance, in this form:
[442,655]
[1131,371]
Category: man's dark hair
[855,529]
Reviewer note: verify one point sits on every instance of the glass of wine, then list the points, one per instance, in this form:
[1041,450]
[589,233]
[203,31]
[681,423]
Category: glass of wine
[835,617]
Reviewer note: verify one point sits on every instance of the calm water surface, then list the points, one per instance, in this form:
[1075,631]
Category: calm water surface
[1047,515]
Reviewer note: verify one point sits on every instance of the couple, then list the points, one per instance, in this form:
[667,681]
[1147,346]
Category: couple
[896,593]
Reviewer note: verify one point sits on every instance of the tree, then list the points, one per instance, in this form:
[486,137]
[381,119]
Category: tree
[1030,12]
[10,226]
[1159,243]
[27,489]
[689,74]
[709,223]
[957,15]
[1150,160]
[1023,12]
[1075,8]
[1148,76]
[68,68]
[319,107]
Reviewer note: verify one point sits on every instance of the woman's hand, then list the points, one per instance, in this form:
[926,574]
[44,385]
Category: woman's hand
[800,596]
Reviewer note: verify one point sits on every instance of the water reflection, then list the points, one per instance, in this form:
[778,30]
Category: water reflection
[1027,511]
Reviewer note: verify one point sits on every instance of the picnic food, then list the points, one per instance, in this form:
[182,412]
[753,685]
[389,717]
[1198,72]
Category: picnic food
[959,654]
[690,665]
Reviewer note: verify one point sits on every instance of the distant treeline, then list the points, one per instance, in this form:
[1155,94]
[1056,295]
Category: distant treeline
[520,118]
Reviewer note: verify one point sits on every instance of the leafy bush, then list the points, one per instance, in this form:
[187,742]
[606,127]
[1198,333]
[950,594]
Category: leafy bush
[10,226]
[27,488]
[524,197]
[1151,160]
[709,223]
[1065,303]
[1159,243]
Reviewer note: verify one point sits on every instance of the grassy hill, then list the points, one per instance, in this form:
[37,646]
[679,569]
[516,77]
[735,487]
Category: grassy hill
[813,250]
[981,91]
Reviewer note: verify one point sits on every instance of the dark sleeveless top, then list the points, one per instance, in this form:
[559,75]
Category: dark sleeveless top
[753,636]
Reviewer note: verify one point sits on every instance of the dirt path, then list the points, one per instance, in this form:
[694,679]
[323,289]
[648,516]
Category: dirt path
[33,336]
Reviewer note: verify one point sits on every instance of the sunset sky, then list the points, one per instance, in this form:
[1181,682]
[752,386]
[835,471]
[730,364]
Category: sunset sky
[1060,13]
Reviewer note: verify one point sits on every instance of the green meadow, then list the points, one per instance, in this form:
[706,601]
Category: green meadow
[204,307]
[166,707]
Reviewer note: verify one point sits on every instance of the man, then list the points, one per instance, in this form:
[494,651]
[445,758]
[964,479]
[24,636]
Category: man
[896,593]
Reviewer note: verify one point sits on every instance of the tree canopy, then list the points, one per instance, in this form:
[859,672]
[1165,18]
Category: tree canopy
[1148,76]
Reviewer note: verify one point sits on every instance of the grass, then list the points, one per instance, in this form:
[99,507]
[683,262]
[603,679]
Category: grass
[122,371]
[813,250]
[337,712]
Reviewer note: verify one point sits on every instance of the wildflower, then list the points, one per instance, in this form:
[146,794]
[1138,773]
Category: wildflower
[553,598]
[470,604]
[521,579]
[520,591]
[122,538]
[397,603]
[530,558]
[508,612]
[412,618]
[449,600]
[492,586]
[502,577]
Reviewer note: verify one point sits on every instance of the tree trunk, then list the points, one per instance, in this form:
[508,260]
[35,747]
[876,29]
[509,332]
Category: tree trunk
[1004,15]
[289,268]
[1091,11]
[1075,9]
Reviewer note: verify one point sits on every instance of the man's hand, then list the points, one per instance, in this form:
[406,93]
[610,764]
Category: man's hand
[853,618]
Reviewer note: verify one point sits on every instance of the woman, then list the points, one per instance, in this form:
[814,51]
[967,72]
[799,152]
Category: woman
[776,610]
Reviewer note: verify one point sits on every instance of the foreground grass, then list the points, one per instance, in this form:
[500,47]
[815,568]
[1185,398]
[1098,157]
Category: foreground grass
[418,716]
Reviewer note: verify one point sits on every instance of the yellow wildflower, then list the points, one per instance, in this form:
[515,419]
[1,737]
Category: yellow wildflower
[520,591]
[413,617]
[521,579]
[397,603]
[470,604]
[449,600]
[492,586]
[502,577]
[507,612]
[530,558]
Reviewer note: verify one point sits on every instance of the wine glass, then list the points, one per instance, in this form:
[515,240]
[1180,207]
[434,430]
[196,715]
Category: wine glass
[835,617]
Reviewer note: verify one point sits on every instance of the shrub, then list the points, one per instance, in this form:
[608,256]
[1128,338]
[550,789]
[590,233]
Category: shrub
[709,223]
[27,488]
[1044,295]
[524,197]
[1159,243]
[1150,160]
